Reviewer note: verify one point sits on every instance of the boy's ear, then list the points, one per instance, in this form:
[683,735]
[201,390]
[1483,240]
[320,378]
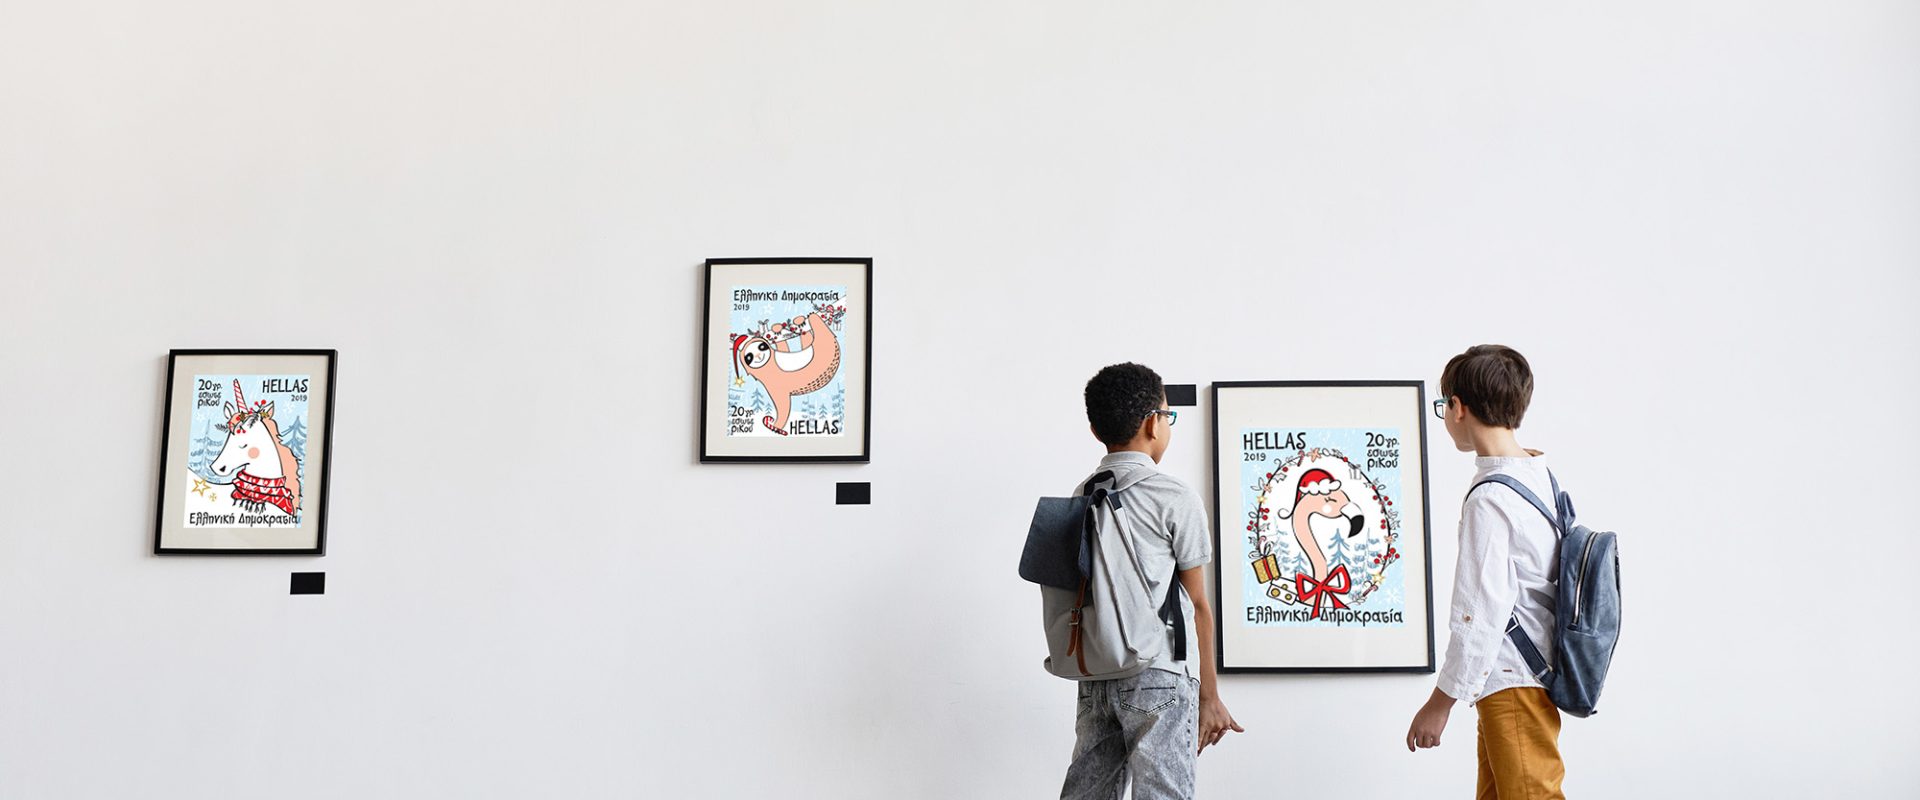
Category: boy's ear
[1461,412]
[1148,429]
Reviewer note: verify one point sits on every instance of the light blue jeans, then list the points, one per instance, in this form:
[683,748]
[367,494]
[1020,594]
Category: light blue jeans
[1142,728]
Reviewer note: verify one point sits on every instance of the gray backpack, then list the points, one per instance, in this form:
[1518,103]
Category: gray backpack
[1101,619]
[1586,619]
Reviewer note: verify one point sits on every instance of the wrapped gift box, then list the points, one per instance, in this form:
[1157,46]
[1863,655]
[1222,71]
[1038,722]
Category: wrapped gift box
[1267,569]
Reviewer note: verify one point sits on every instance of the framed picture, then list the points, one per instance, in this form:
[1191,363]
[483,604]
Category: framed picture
[786,363]
[245,445]
[1322,554]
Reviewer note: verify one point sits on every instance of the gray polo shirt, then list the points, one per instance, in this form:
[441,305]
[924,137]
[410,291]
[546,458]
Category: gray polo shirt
[1169,523]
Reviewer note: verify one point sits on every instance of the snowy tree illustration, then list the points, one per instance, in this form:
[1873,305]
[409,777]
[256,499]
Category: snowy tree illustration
[1295,563]
[750,396]
[205,449]
[1343,553]
[824,405]
[294,436]
[1376,548]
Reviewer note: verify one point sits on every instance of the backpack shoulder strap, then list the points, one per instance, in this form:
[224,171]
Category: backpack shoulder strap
[1103,476]
[1170,609]
[1529,653]
[1553,516]
[1536,663]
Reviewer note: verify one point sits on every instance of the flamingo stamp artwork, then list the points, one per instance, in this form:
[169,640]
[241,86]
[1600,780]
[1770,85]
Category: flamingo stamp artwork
[1320,498]
[1322,528]
[248,451]
[786,362]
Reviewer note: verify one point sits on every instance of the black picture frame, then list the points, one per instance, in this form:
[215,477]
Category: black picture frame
[711,360]
[167,452]
[1419,410]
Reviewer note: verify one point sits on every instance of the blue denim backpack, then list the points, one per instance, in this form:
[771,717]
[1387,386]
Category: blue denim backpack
[1586,619]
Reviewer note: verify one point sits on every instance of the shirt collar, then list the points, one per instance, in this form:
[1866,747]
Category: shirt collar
[1488,463]
[1127,457]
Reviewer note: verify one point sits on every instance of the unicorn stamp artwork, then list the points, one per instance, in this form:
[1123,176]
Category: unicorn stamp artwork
[1321,508]
[261,465]
[241,462]
[786,365]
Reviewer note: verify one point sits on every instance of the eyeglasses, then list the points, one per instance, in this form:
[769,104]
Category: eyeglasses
[1440,407]
[1172,416]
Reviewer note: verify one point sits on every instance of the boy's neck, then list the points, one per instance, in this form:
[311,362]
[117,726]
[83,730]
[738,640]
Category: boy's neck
[1497,443]
[1135,446]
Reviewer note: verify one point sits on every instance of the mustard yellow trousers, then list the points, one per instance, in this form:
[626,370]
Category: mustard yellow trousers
[1519,746]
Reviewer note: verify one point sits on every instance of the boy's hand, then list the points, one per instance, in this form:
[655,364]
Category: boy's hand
[1215,721]
[1429,722]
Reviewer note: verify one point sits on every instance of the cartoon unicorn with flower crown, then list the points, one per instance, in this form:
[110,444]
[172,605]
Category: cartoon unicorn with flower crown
[265,473]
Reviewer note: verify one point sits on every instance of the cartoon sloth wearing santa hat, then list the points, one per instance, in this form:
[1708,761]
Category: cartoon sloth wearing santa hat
[791,359]
[1321,509]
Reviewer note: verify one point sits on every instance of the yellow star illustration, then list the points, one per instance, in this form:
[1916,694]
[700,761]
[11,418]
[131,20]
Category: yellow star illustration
[200,487]
[739,382]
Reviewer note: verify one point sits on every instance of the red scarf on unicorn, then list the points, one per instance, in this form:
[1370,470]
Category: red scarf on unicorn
[271,491]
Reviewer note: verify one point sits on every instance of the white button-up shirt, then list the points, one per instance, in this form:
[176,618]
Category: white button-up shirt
[1509,562]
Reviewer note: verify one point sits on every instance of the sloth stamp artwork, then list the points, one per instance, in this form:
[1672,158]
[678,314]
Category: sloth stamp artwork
[1320,505]
[786,360]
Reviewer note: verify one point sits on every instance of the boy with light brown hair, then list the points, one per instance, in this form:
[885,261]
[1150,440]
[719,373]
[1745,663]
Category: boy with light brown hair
[1507,569]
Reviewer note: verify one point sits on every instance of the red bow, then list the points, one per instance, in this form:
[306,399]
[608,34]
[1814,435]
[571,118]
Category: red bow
[1338,582]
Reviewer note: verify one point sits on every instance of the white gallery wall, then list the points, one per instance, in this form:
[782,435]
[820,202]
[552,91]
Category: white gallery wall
[1697,218]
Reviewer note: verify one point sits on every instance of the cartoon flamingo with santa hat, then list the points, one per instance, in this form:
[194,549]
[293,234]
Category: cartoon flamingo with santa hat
[1321,508]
